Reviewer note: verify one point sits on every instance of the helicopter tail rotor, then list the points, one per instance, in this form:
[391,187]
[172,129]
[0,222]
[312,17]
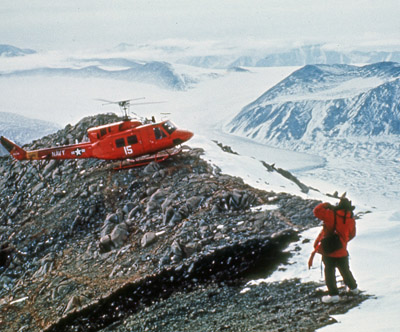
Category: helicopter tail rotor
[16,151]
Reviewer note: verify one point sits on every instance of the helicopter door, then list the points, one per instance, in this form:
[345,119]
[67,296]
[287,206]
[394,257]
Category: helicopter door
[159,133]
[158,138]
[135,144]
[131,145]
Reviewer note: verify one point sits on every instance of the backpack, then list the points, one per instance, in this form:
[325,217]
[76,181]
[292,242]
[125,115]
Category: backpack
[331,242]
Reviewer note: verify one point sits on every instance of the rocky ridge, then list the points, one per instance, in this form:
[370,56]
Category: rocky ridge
[89,238]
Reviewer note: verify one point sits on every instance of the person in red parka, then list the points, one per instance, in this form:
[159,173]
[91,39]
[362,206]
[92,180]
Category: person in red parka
[346,229]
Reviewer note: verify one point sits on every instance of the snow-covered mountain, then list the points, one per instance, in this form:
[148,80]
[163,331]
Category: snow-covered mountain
[319,54]
[330,101]
[11,51]
[298,56]
[153,72]
[22,129]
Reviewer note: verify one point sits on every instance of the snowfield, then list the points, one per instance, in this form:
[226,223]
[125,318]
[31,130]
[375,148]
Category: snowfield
[369,171]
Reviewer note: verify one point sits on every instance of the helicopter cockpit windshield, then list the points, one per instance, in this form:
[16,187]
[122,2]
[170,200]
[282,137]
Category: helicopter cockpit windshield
[169,127]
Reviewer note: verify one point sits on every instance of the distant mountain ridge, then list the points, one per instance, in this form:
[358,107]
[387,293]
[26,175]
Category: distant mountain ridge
[325,101]
[12,51]
[234,57]
[153,72]
[300,56]
[23,130]
[318,54]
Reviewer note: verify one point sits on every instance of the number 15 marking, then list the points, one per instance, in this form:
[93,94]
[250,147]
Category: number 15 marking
[128,149]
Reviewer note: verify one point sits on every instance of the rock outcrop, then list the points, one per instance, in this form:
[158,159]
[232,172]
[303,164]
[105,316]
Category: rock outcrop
[83,232]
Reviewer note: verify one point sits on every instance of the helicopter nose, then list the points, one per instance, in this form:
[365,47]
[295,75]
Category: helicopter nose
[187,135]
[182,136]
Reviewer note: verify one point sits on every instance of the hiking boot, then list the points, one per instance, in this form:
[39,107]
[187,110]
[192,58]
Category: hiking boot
[330,299]
[354,291]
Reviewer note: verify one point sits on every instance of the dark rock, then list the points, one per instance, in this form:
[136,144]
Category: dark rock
[128,208]
[169,213]
[151,168]
[49,167]
[175,219]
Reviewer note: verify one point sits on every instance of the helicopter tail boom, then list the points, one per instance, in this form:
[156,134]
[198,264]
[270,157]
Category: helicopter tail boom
[16,151]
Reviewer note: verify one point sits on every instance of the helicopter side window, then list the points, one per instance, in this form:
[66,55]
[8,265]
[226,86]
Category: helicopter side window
[169,127]
[120,142]
[159,133]
[132,139]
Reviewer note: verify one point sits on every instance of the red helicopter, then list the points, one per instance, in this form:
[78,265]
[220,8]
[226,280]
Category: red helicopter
[135,141]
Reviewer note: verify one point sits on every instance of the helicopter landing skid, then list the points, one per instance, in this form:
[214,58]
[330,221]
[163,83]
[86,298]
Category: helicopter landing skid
[147,159]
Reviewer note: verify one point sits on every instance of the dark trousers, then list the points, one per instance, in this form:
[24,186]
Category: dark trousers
[342,263]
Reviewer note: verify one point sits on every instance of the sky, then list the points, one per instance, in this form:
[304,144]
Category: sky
[89,24]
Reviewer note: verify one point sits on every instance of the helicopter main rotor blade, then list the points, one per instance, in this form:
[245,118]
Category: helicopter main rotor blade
[150,102]
[120,102]
[106,101]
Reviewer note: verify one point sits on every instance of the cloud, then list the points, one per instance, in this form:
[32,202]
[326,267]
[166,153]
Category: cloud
[102,24]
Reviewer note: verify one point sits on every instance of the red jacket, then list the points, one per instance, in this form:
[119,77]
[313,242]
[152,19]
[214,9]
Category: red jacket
[345,227]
